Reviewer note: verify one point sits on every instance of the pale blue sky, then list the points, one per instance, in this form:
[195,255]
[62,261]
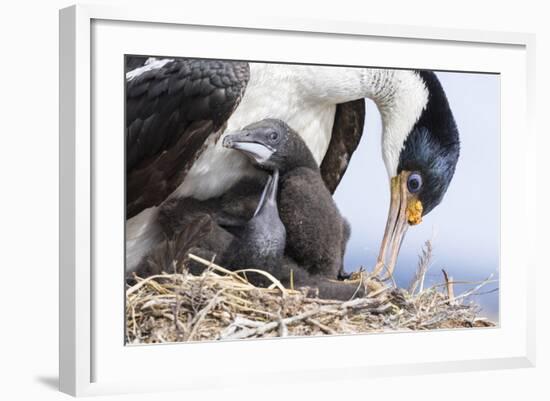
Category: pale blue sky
[465,226]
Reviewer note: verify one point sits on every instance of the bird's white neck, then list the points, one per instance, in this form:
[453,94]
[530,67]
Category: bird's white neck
[305,97]
[400,96]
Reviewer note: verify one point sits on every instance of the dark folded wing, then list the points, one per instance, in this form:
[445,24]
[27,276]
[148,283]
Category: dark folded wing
[133,62]
[172,107]
[346,134]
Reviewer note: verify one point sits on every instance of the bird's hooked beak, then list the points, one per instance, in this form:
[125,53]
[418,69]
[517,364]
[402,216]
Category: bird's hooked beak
[249,143]
[405,210]
[269,194]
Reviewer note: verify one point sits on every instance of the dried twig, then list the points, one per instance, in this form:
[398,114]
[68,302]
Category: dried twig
[475,289]
[449,286]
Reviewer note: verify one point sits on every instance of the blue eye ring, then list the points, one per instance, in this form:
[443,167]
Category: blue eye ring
[414,182]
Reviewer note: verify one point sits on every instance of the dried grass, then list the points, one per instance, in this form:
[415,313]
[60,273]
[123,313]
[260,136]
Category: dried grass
[223,305]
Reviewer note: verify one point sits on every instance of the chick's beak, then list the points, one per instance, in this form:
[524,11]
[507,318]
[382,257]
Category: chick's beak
[250,143]
[405,209]
[231,139]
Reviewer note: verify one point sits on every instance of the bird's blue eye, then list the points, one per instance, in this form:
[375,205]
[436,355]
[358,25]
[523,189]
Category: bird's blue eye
[414,182]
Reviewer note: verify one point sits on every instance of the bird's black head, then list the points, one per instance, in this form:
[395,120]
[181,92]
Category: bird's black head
[271,145]
[425,168]
[431,150]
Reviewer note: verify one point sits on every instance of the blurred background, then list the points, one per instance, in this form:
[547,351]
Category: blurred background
[464,228]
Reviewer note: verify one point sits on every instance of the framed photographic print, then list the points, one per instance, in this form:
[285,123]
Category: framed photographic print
[253,197]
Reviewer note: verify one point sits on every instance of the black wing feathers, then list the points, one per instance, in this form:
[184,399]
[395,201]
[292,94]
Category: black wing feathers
[133,62]
[170,112]
[346,134]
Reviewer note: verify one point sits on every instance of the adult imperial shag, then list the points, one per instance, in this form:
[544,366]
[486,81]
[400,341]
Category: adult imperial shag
[177,110]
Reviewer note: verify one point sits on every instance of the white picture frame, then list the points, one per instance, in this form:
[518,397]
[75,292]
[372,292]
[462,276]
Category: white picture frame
[93,358]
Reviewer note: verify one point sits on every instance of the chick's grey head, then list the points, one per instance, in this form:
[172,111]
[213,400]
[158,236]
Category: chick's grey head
[271,145]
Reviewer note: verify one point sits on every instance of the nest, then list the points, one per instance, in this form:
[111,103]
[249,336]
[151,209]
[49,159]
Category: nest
[223,305]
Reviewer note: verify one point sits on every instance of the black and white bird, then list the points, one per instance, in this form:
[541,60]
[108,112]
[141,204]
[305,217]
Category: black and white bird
[178,109]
